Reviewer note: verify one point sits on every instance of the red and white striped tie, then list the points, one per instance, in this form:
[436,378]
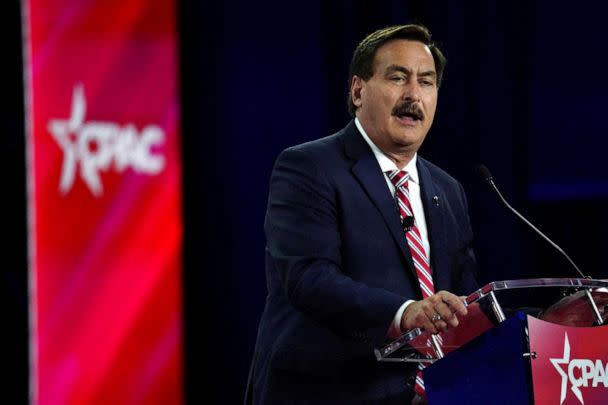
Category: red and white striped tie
[400,178]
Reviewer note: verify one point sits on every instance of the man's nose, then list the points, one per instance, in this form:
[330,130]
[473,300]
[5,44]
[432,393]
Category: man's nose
[411,91]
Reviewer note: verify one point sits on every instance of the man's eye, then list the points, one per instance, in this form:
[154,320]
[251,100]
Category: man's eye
[427,83]
[398,79]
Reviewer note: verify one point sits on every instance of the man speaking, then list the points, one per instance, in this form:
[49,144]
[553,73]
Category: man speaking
[365,239]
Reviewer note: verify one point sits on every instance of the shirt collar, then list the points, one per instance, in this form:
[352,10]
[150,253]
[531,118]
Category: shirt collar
[386,164]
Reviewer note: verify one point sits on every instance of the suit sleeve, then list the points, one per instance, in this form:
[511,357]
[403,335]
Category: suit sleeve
[303,240]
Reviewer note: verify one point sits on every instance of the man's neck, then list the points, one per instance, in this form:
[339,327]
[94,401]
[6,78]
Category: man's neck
[400,157]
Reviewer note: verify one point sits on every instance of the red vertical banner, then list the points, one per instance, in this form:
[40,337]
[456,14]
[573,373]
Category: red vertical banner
[104,201]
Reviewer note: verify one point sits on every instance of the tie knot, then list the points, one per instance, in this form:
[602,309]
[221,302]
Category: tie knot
[399,178]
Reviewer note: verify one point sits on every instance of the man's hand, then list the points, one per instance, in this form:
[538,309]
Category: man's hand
[435,313]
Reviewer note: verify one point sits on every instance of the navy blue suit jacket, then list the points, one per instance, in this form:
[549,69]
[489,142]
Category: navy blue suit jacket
[338,268]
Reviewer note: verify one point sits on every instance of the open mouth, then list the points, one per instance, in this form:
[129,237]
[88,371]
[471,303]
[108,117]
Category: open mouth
[409,113]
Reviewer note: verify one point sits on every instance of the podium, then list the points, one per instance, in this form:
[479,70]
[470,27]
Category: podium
[558,356]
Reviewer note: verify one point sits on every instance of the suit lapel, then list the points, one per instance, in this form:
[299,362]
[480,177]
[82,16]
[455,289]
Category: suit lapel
[368,173]
[433,202]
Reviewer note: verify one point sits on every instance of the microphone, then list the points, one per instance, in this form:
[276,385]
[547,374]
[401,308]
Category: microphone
[407,223]
[485,174]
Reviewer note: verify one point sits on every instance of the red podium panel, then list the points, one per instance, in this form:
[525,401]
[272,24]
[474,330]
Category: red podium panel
[571,364]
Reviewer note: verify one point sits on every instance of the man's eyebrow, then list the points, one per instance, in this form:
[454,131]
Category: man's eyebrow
[398,68]
[428,73]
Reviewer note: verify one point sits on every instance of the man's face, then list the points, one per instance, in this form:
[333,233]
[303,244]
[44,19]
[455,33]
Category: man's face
[396,106]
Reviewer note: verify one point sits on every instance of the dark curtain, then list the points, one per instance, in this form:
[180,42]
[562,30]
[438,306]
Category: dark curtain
[258,78]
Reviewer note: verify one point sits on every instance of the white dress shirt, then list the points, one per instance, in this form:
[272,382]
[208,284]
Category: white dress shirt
[387,165]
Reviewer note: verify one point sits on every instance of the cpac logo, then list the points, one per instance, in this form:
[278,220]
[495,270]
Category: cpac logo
[93,146]
[581,373]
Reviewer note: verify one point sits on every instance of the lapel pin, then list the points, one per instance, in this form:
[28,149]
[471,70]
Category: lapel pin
[436,201]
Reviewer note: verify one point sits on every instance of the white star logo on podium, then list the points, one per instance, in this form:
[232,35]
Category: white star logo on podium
[557,363]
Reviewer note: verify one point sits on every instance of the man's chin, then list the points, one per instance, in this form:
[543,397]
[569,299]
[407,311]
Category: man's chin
[410,132]
[409,138]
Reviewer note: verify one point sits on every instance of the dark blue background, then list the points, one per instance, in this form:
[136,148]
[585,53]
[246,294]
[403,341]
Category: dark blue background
[523,93]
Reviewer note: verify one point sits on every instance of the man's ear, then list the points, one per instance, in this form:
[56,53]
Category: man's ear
[356,88]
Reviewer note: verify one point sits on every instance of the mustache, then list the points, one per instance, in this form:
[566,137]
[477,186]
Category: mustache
[409,108]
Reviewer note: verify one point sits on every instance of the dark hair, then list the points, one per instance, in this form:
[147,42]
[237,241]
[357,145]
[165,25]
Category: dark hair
[362,64]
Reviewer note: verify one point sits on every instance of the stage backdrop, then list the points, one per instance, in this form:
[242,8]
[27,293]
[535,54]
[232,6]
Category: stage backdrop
[104,189]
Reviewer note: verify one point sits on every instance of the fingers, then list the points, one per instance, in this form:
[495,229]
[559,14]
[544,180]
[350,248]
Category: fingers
[441,326]
[429,314]
[446,314]
[421,314]
[418,315]
[439,322]
[434,314]
[455,303]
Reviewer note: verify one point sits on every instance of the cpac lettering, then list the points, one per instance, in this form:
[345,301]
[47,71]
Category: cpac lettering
[588,372]
[580,373]
[96,146]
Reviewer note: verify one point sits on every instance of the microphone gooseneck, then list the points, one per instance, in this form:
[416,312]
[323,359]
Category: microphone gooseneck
[485,174]
[487,177]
